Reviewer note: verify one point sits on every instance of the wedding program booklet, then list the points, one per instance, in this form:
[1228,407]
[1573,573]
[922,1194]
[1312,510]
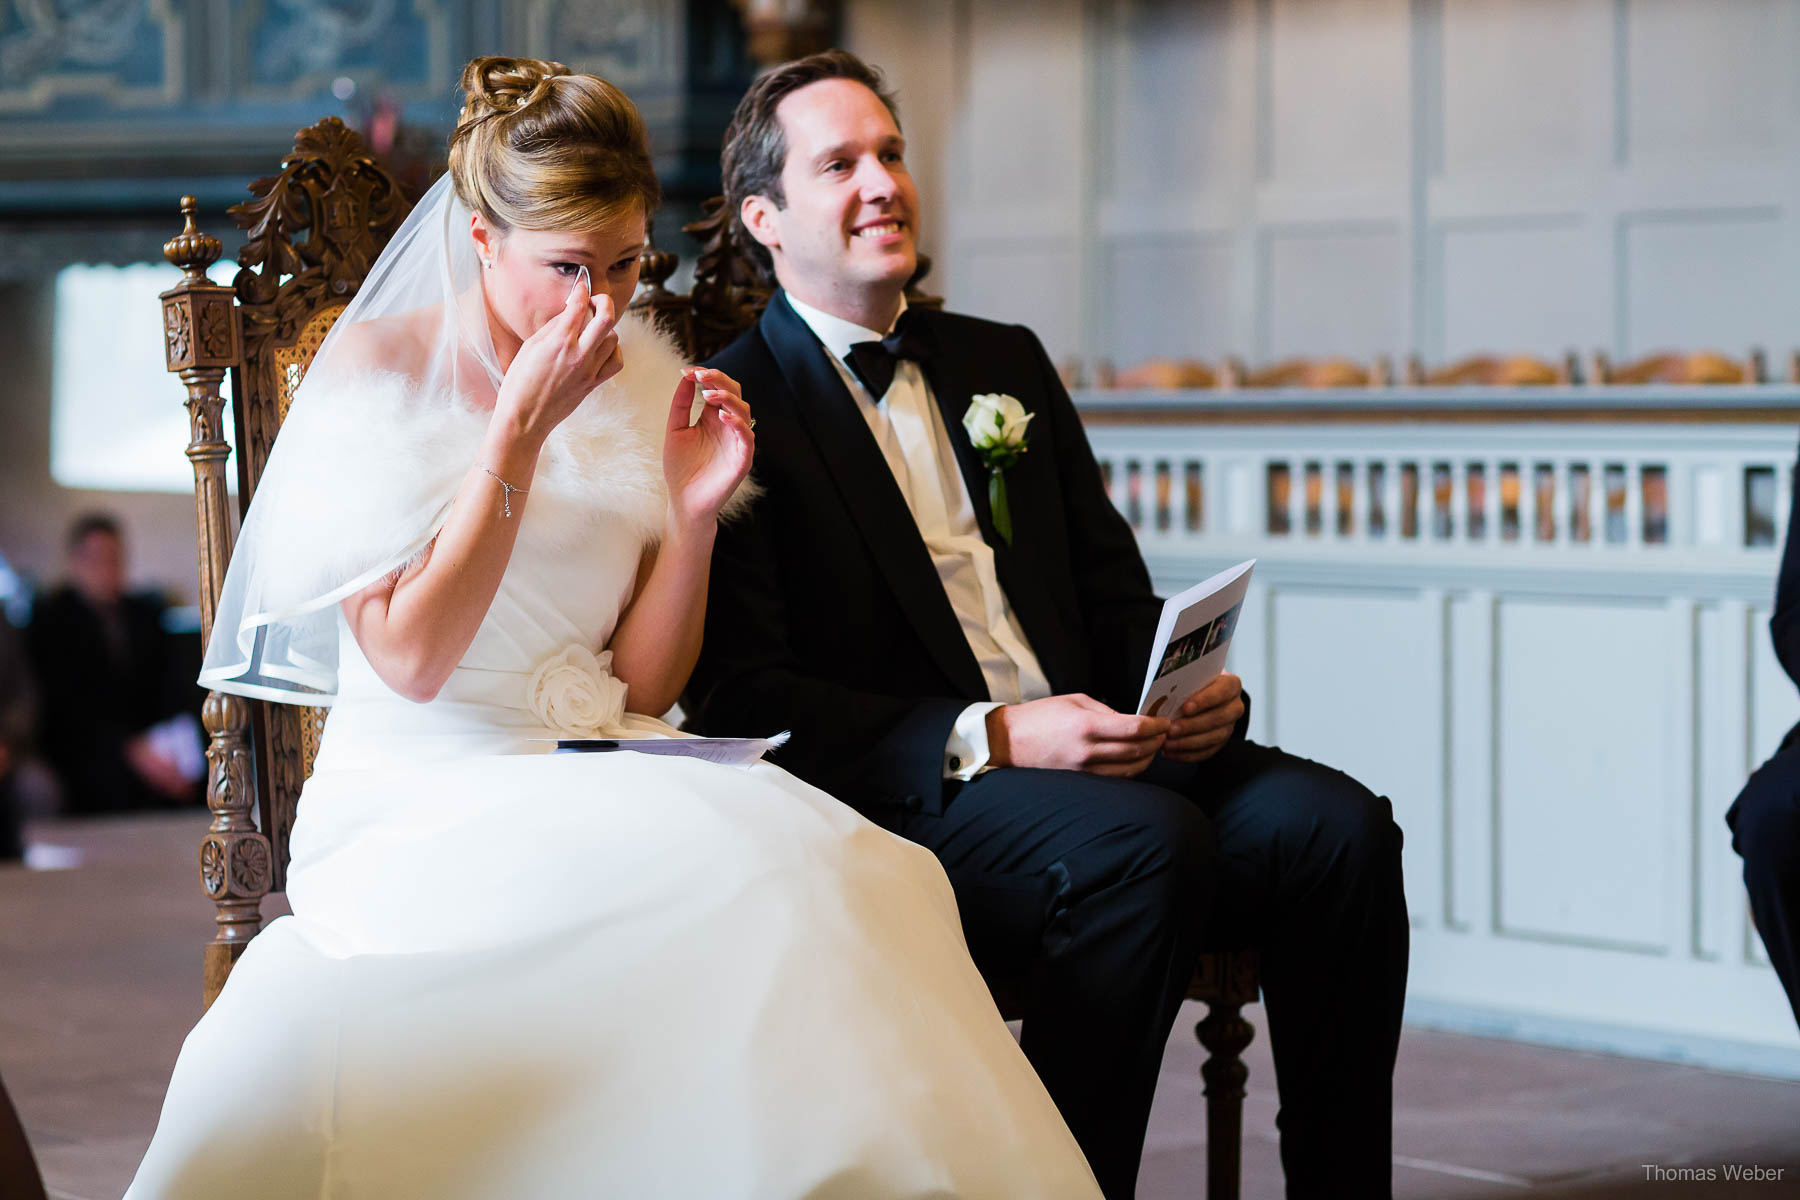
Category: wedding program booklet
[730,752]
[1191,640]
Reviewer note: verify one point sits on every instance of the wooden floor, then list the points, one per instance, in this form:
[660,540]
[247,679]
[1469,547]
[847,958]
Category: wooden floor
[99,977]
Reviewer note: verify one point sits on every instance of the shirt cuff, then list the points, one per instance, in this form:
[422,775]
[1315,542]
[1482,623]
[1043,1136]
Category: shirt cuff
[966,753]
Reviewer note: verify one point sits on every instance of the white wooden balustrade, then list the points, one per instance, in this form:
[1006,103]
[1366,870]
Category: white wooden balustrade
[1537,620]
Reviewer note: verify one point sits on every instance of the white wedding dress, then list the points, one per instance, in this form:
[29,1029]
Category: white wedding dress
[516,975]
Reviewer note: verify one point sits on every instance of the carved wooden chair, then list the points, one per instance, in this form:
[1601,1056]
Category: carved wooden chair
[313,232]
[728,295]
[1486,370]
[1707,367]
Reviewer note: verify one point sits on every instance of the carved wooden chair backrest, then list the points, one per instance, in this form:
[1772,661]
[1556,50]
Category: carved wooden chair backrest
[312,233]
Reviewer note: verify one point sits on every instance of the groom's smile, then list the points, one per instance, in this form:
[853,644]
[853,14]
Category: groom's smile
[887,230]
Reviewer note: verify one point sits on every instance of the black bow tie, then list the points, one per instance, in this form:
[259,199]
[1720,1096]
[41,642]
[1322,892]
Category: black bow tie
[874,362]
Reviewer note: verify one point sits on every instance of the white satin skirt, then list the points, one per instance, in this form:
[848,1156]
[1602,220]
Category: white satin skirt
[541,977]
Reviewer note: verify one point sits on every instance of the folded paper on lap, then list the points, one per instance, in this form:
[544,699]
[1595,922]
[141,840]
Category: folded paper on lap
[730,752]
[1192,639]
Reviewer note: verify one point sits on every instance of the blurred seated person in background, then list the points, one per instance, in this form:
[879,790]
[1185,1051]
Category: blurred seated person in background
[116,726]
[1765,818]
[18,708]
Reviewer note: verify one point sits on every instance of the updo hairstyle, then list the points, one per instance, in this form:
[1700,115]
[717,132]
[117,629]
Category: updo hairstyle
[537,147]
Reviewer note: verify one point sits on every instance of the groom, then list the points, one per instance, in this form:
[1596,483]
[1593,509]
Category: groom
[967,681]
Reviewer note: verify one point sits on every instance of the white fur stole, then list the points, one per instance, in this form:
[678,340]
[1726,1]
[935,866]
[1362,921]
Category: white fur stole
[365,471]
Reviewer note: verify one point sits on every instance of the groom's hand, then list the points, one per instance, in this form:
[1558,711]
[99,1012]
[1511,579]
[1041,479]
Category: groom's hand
[1073,733]
[1203,726]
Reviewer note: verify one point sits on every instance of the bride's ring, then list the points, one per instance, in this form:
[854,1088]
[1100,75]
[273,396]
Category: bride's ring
[753,422]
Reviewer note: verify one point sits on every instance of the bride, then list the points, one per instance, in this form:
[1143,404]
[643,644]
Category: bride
[515,974]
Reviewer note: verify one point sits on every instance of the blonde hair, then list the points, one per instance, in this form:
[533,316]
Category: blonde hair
[537,147]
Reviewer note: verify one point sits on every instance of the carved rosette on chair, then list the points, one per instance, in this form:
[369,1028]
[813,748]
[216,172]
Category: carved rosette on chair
[313,232]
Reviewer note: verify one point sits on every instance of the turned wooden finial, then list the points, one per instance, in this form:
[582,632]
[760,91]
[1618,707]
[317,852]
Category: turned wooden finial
[190,249]
[654,268]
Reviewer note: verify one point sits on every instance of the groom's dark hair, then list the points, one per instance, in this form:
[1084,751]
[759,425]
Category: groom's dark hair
[755,144]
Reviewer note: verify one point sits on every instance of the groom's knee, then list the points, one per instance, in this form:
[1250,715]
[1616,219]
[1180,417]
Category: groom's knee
[1327,820]
[1159,843]
[1359,825]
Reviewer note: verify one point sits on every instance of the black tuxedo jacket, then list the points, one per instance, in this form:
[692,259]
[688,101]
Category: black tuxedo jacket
[826,614]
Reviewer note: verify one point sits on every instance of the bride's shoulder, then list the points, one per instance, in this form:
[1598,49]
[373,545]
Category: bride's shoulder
[380,382]
[399,345]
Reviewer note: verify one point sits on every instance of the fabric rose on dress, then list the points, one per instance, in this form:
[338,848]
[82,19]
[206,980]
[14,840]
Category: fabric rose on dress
[995,423]
[575,693]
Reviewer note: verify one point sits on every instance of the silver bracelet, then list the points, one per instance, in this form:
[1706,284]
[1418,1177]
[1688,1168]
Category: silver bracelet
[506,500]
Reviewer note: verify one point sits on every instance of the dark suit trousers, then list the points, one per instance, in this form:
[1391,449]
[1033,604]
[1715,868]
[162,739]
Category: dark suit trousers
[1765,831]
[1098,894]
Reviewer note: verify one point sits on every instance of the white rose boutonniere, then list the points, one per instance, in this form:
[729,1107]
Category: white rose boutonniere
[574,692]
[996,425]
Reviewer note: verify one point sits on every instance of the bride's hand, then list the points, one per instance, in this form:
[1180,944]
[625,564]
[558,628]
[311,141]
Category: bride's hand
[704,463]
[557,366]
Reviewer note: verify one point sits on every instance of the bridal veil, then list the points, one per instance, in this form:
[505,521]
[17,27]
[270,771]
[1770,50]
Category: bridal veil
[307,542]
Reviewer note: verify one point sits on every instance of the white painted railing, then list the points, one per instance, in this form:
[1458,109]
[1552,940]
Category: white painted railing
[1537,621]
[1547,466]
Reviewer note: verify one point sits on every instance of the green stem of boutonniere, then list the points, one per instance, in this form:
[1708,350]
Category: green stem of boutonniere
[997,505]
[996,425]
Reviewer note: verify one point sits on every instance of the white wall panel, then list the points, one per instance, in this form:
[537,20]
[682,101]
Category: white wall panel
[1386,745]
[1333,292]
[1562,119]
[1532,286]
[1595,174]
[1024,88]
[1584,769]
[906,42]
[1722,719]
[1339,91]
[1774,708]
[1025,283]
[1706,280]
[1179,100]
[1469,803]
[1168,296]
[1708,80]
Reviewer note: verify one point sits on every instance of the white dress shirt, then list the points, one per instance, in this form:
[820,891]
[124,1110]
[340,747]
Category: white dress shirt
[909,429]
